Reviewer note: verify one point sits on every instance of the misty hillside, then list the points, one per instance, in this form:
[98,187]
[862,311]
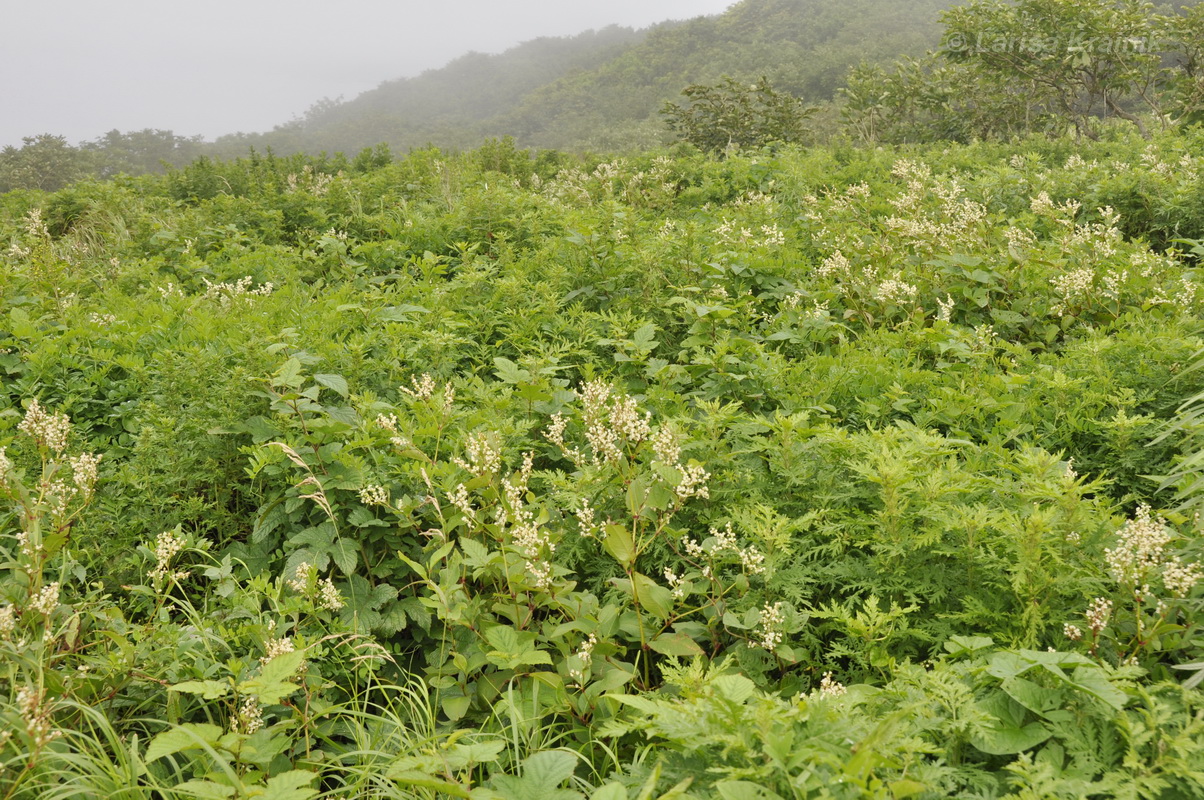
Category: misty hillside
[603,89]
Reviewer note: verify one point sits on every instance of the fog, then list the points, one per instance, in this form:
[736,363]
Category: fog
[79,68]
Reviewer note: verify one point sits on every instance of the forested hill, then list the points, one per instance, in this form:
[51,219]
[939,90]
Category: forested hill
[604,89]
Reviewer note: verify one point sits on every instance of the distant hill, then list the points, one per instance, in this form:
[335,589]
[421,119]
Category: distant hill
[604,89]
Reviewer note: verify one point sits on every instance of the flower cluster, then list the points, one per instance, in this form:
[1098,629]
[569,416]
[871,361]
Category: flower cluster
[374,495]
[48,430]
[1098,614]
[8,620]
[167,546]
[227,293]
[305,582]
[585,655]
[752,560]
[769,630]
[276,647]
[1141,554]
[249,718]
[483,457]
[46,600]
[35,715]
[693,482]
[831,688]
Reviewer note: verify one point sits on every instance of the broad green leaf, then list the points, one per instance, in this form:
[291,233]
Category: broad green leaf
[611,791]
[462,754]
[675,644]
[653,597]
[735,688]
[1094,682]
[345,556]
[210,690]
[291,785]
[455,707]
[504,639]
[204,790]
[509,372]
[289,374]
[618,543]
[542,774]
[1036,698]
[906,788]
[272,684]
[183,737]
[336,383]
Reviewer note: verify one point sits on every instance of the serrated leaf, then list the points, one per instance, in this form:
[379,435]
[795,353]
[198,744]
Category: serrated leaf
[344,555]
[460,755]
[210,690]
[204,790]
[509,372]
[291,785]
[272,684]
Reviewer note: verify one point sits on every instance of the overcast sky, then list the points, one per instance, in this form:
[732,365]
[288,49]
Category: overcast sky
[80,68]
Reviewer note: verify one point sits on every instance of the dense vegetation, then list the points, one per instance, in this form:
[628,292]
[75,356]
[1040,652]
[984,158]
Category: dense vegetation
[822,473]
[735,470]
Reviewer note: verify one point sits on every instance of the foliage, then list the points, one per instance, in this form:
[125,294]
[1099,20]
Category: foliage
[730,114]
[513,475]
[1035,66]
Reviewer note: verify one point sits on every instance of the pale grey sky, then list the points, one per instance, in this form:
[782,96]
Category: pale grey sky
[80,68]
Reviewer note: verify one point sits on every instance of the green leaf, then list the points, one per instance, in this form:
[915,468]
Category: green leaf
[542,774]
[906,788]
[735,688]
[611,791]
[744,790]
[463,754]
[618,543]
[424,781]
[653,597]
[291,785]
[1094,682]
[272,684]
[205,790]
[289,374]
[183,737]
[675,644]
[336,383]
[210,690]
[509,372]
[345,556]
[476,554]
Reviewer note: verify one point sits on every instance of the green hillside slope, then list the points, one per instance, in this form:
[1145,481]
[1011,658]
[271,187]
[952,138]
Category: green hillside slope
[604,89]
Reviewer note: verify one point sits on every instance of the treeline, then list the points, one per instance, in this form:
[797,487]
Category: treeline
[48,162]
[873,71]
[1037,66]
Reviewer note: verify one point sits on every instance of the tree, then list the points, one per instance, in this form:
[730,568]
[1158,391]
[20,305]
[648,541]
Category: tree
[1079,59]
[731,114]
[46,162]
[139,152]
